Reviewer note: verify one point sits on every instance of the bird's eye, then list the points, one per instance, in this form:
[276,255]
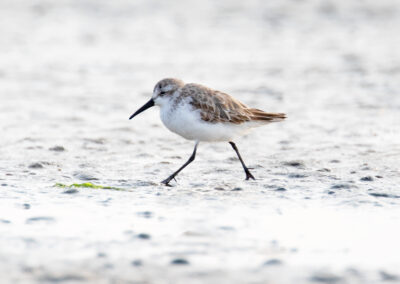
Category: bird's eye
[162,93]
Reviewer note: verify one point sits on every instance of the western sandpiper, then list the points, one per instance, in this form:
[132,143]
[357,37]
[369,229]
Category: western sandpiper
[198,113]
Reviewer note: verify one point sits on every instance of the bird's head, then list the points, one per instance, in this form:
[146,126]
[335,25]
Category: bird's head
[165,89]
[162,92]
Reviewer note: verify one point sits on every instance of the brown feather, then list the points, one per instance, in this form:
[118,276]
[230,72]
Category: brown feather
[258,114]
[216,106]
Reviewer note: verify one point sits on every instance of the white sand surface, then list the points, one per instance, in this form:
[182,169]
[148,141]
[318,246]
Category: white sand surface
[325,205]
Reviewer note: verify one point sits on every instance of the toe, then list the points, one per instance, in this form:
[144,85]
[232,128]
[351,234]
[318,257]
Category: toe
[249,176]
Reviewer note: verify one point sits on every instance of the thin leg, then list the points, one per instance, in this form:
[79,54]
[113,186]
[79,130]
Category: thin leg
[246,169]
[191,159]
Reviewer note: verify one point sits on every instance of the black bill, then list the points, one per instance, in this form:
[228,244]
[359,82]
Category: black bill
[149,104]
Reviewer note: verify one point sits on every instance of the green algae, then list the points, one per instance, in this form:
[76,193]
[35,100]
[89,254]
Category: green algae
[87,185]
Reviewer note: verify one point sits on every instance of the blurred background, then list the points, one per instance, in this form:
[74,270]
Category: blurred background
[73,71]
[102,56]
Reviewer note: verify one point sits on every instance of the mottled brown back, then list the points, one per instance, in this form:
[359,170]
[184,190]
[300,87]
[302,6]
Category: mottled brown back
[216,106]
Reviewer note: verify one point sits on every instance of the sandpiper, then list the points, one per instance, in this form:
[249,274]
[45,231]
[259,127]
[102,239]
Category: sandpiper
[199,113]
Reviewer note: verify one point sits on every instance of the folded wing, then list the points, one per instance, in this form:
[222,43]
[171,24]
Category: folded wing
[216,107]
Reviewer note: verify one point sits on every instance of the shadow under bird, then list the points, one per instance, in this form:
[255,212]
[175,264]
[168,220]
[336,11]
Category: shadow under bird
[198,113]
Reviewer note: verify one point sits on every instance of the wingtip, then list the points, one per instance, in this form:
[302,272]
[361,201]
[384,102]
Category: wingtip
[265,116]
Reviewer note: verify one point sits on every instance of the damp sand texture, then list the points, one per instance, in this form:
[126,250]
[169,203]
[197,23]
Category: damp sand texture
[324,207]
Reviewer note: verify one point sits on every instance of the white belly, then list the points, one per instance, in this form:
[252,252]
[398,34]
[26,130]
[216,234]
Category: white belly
[187,123]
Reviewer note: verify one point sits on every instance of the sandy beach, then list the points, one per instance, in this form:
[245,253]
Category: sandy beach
[324,207]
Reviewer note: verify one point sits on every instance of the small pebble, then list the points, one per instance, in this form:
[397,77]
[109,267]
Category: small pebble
[367,178]
[96,140]
[40,219]
[180,261]
[145,214]
[71,191]
[26,206]
[340,186]
[137,262]
[386,195]
[36,166]
[326,278]
[57,149]
[237,189]
[297,176]
[144,236]
[296,164]
[227,228]
[84,176]
[280,189]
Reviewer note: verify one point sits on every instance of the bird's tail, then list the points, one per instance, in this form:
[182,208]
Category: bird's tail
[261,116]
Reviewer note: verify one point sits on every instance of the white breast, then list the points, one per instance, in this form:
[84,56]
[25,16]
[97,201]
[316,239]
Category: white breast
[185,121]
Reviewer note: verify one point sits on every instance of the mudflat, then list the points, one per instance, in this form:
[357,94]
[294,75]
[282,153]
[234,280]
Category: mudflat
[80,193]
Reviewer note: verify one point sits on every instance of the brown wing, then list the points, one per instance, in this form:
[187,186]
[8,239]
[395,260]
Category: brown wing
[259,115]
[216,106]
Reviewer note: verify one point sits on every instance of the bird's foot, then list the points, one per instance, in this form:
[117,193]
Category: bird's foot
[167,180]
[248,174]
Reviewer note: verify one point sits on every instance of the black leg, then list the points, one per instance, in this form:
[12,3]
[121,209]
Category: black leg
[191,159]
[246,169]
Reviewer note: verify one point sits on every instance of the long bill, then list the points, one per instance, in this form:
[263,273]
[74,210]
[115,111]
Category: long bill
[149,104]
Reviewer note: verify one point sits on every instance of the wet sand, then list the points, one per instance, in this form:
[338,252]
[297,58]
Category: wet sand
[325,205]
